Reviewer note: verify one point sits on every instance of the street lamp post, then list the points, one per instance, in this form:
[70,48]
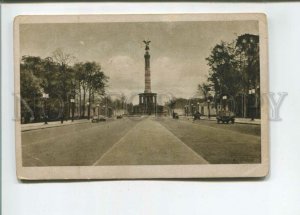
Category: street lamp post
[89,107]
[187,110]
[73,106]
[225,99]
[104,110]
[45,97]
[98,108]
[251,106]
[34,106]
[208,104]
[192,109]
[257,102]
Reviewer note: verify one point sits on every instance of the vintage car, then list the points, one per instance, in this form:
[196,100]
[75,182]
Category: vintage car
[119,117]
[175,116]
[197,115]
[225,116]
[99,118]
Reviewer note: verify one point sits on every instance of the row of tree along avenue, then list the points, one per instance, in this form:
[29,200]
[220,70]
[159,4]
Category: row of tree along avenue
[53,89]
[234,76]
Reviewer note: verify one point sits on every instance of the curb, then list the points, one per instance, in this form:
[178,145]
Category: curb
[236,122]
[52,126]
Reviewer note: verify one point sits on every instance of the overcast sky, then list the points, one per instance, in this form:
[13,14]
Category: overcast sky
[178,50]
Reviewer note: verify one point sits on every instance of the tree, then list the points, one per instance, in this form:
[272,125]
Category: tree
[224,76]
[92,80]
[80,76]
[248,46]
[61,57]
[95,81]
[234,67]
[171,104]
[204,90]
[65,75]
[30,86]
[62,81]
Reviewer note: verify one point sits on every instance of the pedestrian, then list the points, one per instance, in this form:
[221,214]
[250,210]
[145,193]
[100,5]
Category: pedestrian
[62,118]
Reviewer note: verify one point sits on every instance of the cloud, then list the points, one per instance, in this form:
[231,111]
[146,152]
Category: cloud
[178,50]
[125,74]
[177,75]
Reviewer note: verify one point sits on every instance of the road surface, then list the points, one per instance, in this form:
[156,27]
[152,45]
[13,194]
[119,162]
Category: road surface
[142,141]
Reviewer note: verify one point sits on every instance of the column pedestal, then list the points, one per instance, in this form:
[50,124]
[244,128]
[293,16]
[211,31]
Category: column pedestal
[147,103]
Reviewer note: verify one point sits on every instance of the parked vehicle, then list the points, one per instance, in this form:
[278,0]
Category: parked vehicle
[175,116]
[119,117]
[99,118]
[197,116]
[225,116]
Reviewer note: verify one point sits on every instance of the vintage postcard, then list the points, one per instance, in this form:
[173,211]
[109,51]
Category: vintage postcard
[141,96]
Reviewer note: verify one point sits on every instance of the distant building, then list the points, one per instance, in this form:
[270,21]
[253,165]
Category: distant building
[188,107]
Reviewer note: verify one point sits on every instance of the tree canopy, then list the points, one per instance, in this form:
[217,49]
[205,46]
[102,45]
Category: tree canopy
[234,68]
[61,81]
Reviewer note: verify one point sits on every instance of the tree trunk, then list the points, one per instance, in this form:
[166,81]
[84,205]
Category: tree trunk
[245,104]
[83,106]
[93,101]
[89,106]
[80,109]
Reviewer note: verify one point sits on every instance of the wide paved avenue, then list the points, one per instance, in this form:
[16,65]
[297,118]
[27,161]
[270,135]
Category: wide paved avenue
[142,141]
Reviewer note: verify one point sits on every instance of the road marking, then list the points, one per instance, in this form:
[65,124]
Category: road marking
[115,144]
[189,148]
[139,129]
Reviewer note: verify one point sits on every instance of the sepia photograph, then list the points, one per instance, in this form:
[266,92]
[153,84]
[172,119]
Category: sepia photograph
[141,96]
